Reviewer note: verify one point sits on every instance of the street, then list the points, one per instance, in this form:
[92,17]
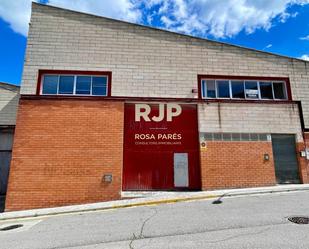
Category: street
[257,221]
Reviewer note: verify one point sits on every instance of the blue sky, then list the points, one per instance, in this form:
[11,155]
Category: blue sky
[277,26]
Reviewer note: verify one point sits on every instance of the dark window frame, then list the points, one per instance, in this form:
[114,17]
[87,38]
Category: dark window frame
[74,73]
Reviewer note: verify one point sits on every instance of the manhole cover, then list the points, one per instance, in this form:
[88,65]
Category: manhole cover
[10,227]
[299,219]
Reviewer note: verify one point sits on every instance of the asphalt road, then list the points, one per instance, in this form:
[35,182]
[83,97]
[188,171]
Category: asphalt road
[253,222]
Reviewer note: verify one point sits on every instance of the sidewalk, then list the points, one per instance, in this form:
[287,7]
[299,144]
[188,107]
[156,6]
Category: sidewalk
[151,198]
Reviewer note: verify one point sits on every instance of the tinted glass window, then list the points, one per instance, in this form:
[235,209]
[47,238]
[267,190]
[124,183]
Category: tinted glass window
[50,84]
[238,89]
[66,84]
[83,84]
[227,136]
[244,136]
[223,88]
[251,90]
[217,136]
[266,90]
[203,88]
[211,88]
[279,90]
[208,136]
[99,86]
[254,137]
[236,136]
[263,137]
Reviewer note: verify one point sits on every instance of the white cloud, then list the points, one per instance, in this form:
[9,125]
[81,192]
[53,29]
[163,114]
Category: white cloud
[305,38]
[167,22]
[268,46]
[119,9]
[17,14]
[198,17]
[305,57]
[224,18]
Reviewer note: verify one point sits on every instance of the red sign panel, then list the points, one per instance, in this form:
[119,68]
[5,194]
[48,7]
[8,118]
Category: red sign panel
[161,147]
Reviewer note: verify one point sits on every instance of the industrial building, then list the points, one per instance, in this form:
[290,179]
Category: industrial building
[108,106]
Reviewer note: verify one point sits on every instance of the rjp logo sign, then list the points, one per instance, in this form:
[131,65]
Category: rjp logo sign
[144,110]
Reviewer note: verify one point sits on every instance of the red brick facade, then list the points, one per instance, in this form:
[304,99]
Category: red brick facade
[237,164]
[62,149]
[242,164]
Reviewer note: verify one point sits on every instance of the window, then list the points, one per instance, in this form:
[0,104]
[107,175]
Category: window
[83,85]
[50,85]
[243,89]
[251,90]
[75,85]
[209,88]
[266,90]
[226,136]
[66,84]
[238,90]
[279,90]
[99,86]
[204,89]
[223,88]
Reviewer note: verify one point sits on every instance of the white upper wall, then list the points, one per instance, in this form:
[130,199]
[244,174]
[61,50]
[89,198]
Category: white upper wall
[145,62]
[9,97]
[250,118]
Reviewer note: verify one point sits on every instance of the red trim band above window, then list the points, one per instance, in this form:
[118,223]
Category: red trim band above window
[43,72]
[244,78]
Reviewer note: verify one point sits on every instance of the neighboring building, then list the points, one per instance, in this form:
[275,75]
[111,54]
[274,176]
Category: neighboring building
[108,106]
[9,96]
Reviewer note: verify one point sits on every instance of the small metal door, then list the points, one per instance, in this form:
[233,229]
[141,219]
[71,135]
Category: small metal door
[181,173]
[286,166]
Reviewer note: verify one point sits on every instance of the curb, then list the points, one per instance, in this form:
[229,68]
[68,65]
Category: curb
[46,212]
[167,201]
